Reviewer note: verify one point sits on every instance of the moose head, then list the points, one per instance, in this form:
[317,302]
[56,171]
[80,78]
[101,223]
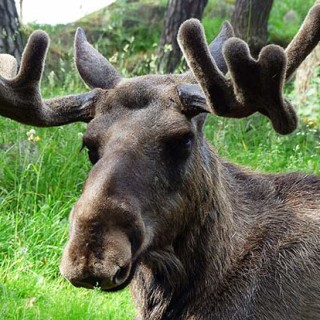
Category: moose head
[152,167]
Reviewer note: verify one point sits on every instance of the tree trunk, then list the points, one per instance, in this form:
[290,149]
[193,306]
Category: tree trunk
[10,36]
[304,75]
[250,22]
[176,13]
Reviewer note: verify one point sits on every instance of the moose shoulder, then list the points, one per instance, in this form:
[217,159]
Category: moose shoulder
[195,236]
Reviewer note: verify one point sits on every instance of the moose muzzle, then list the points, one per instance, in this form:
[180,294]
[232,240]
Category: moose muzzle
[104,263]
[107,230]
[106,236]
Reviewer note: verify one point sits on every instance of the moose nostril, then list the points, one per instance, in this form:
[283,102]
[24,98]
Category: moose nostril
[121,275]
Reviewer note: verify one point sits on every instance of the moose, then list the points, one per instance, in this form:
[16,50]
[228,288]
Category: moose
[195,236]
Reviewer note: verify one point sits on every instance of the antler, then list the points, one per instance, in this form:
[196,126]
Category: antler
[20,97]
[255,85]
[305,40]
[215,49]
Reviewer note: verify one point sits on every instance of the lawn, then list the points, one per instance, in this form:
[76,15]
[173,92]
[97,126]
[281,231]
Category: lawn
[39,182]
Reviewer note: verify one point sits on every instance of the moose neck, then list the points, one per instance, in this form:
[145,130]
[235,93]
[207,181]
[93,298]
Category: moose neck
[171,278]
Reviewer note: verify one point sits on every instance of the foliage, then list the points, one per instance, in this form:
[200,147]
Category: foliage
[282,29]
[128,34]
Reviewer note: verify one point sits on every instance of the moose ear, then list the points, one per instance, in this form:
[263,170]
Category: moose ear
[95,70]
[192,99]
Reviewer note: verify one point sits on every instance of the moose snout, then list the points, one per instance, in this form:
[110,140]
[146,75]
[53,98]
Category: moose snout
[107,231]
[106,265]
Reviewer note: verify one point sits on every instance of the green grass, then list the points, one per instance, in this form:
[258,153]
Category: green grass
[253,143]
[39,182]
[31,296]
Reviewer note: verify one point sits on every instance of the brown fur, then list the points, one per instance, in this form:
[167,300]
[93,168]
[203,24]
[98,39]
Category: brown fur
[218,242]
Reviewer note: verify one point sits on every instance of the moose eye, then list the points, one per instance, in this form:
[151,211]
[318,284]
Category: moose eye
[179,148]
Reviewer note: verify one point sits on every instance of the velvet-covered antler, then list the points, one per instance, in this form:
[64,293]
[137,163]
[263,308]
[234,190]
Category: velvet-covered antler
[305,40]
[255,85]
[95,70]
[20,96]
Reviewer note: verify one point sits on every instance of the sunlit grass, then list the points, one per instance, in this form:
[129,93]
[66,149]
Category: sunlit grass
[32,296]
[39,182]
[252,142]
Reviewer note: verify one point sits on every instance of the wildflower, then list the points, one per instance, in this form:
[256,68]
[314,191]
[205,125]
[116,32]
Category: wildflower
[31,134]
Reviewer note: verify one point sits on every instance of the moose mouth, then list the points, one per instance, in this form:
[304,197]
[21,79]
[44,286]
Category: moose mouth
[124,278]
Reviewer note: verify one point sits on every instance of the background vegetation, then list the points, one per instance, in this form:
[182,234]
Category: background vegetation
[42,171]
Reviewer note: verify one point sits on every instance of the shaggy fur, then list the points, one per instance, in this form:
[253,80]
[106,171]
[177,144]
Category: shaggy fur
[256,259]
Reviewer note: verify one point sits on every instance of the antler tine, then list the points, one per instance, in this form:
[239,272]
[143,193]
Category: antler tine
[33,59]
[216,46]
[20,97]
[95,69]
[195,49]
[254,85]
[215,49]
[304,41]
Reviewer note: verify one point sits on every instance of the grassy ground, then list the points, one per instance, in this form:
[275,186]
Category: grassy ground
[41,179]
[39,182]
